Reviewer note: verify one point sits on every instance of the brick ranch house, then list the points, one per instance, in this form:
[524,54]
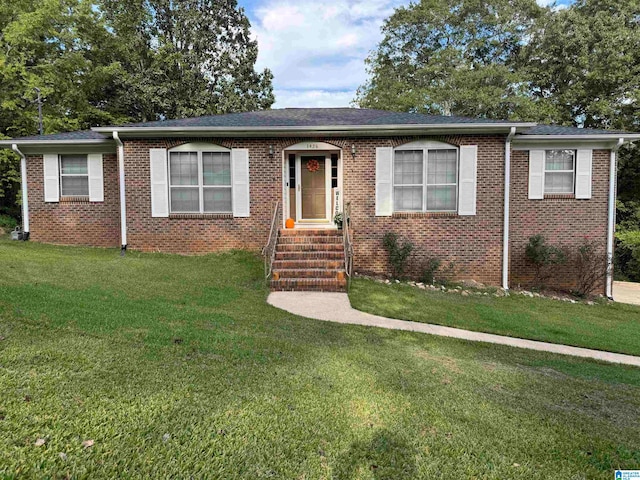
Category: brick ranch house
[466,190]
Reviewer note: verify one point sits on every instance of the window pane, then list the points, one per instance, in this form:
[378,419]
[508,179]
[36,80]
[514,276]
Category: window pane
[73,165]
[185,200]
[441,198]
[216,168]
[407,167]
[184,168]
[442,167]
[558,182]
[407,198]
[74,186]
[217,200]
[559,160]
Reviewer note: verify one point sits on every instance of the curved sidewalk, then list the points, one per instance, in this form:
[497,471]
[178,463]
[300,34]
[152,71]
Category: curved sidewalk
[335,307]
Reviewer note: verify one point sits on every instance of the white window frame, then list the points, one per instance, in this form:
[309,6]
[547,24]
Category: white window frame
[425,147]
[573,171]
[199,151]
[86,159]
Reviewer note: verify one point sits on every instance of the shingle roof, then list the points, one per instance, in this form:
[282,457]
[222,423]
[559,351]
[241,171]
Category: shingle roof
[314,117]
[559,130]
[81,135]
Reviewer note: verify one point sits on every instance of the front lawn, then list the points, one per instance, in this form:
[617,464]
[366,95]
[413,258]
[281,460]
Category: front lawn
[176,367]
[614,327]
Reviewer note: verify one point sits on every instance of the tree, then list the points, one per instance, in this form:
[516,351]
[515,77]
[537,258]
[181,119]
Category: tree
[187,58]
[458,57]
[108,62]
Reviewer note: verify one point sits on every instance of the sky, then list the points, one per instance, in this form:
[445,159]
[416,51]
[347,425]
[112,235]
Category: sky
[316,49]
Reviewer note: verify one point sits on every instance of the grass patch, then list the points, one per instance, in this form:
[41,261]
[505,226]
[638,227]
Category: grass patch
[176,367]
[614,327]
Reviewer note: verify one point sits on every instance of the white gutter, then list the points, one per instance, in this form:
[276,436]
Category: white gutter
[507,209]
[25,196]
[323,129]
[586,136]
[613,173]
[123,198]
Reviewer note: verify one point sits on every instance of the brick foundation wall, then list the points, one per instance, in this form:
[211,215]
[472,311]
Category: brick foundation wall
[74,223]
[563,221]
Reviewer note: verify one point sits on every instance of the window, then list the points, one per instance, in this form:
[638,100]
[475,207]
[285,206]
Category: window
[200,182]
[425,186]
[334,170]
[292,170]
[559,171]
[74,176]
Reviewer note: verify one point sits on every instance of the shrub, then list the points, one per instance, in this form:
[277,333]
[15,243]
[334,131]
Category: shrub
[628,254]
[7,223]
[591,267]
[398,254]
[429,269]
[541,256]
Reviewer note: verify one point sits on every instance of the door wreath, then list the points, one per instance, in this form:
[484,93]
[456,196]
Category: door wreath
[313,165]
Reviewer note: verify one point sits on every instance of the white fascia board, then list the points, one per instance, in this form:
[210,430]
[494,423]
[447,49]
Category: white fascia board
[321,130]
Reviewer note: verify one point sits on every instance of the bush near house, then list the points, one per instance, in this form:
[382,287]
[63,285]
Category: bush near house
[542,256]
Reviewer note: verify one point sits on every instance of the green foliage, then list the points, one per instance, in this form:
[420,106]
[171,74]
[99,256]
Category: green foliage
[591,266]
[7,223]
[541,256]
[101,62]
[398,254]
[441,57]
[628,255]
[429,269]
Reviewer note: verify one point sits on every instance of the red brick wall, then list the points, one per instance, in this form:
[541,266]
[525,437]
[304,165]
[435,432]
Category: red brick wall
[74,223]
[564,222]
[472,242]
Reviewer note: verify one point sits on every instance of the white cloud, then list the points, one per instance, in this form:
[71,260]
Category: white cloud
[313,98]
[316,50]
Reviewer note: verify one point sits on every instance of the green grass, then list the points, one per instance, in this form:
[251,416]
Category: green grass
[176,367]
[613,327]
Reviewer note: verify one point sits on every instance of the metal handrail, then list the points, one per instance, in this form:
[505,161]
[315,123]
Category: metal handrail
[269,250]
[348,244]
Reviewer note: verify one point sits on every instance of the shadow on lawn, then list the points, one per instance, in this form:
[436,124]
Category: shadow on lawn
[386,455]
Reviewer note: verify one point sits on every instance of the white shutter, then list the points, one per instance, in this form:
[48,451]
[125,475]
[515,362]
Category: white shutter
[240,179]
[51,178]
[159,182]
[584,161]
[468,180]
[96,182]
[536,174]
[384,181]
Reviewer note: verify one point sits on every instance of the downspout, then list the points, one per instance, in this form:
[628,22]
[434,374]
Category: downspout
[25,197]
[507,208]
[123,198]
[613,173]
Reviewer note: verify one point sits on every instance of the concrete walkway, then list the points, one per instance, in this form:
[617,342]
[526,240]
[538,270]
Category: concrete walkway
[335,307]
[626,292]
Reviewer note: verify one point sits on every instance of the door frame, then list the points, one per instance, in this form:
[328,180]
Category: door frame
[327,188]
[311,148]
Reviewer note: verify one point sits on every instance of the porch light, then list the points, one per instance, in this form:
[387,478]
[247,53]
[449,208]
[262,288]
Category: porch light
[271,151]
[353,151]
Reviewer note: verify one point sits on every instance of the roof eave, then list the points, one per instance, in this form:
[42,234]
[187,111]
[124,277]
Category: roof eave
[35,143]
[319,130]
[609,136]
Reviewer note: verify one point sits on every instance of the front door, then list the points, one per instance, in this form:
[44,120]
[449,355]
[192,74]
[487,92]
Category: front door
[313,198]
